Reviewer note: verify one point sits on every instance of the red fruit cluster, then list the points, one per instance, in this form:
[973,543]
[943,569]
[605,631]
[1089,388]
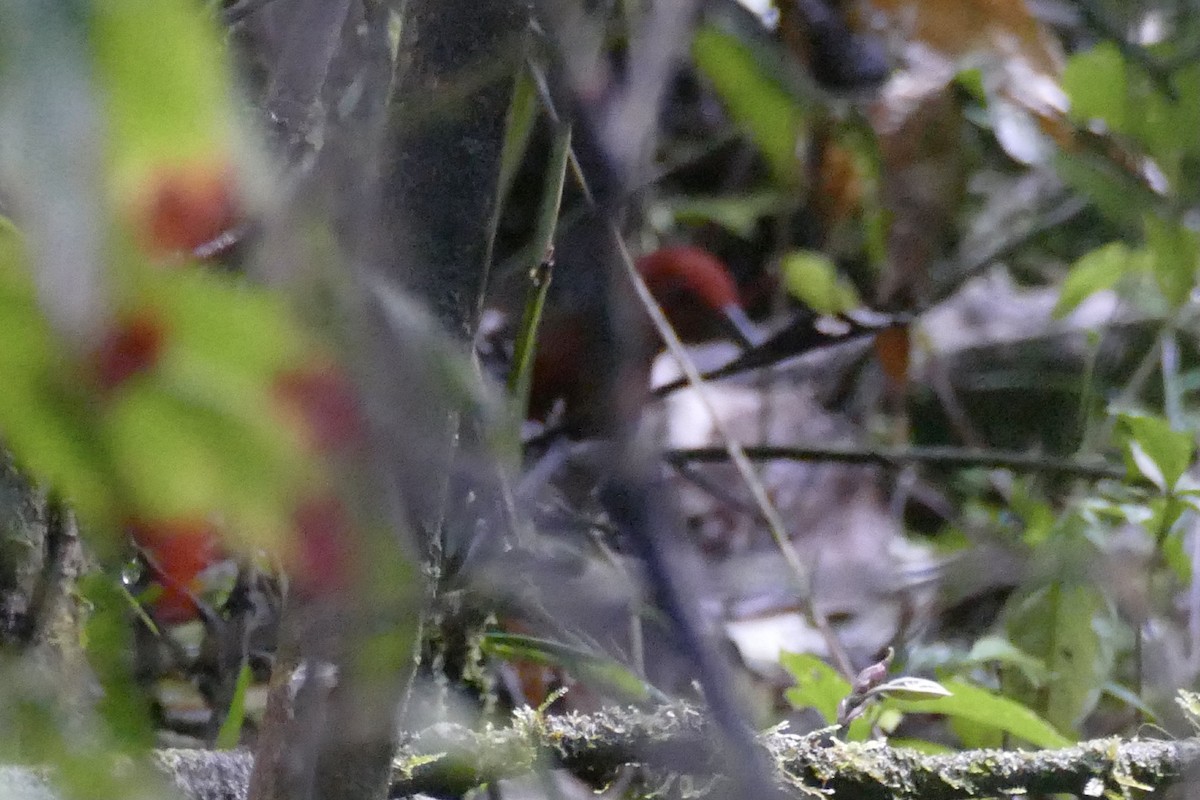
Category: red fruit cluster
[185,208]
[177,550]
[322,562]
[132,346]
[327,405]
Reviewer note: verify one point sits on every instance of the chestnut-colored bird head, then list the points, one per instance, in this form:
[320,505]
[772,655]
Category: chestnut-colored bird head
[697,294]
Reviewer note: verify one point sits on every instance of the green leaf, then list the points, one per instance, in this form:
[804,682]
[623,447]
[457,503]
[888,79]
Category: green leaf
[164,78]
[45,422]
[812,278]
[1097,83]
[230,733]
[599,671]
[522,112]
[1100,269]
[998,650]
[1159,452]
[107,642]
[983,708]
[1058,624]
[1116,194]
[739,214]
[1175,254]
[821,688]
[818,685]
[755,100]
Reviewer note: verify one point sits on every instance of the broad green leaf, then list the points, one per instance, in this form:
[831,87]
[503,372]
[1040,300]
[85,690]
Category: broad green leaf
[755,100]
[737,214]
[166,466]
[1159,452]
[818,685]
[1186,82]
[1116,194]
[812,278]
[1097,83]
[998,650]
[164,77]
[224,320]
[1175,254]
[180,460]
[44,421]
[599,671]
[983,708]
[1058,624]
[1100,269]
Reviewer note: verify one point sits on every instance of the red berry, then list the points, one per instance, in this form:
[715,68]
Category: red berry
[323,542]
[326,403]
[187,207]
[178,551]
[130,347]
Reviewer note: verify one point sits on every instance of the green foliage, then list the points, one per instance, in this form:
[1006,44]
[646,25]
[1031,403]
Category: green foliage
[818,686]
[1100,269]
[165,85]
[599,672]
[1161,454]
[1060,625]
[756,100]
[738,214]
[230,733]
[812,278]
[976,713]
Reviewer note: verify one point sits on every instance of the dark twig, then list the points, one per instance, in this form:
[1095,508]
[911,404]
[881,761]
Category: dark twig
[231,15]
[948,457]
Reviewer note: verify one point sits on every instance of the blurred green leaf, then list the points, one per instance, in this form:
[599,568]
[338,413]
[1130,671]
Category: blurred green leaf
[979,706]
[1175,255]
[755,100]
[598,671]
[522,112]
[998,650]
[230,733]
[107,642]
[165,81]
[818,685]
[739,214]
[813,279]
[1116,194]
[1097,83]
[1158,452]
[1057,624]
[1095,271]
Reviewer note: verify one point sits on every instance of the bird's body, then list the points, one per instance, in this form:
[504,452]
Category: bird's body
[698,297]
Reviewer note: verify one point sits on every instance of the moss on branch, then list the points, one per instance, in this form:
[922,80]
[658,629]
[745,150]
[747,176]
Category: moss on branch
[448,759]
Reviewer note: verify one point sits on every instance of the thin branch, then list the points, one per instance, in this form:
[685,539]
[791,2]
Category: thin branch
[948,457]
[231,15]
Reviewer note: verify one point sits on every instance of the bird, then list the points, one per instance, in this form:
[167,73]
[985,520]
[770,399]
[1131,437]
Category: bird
[699,298]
